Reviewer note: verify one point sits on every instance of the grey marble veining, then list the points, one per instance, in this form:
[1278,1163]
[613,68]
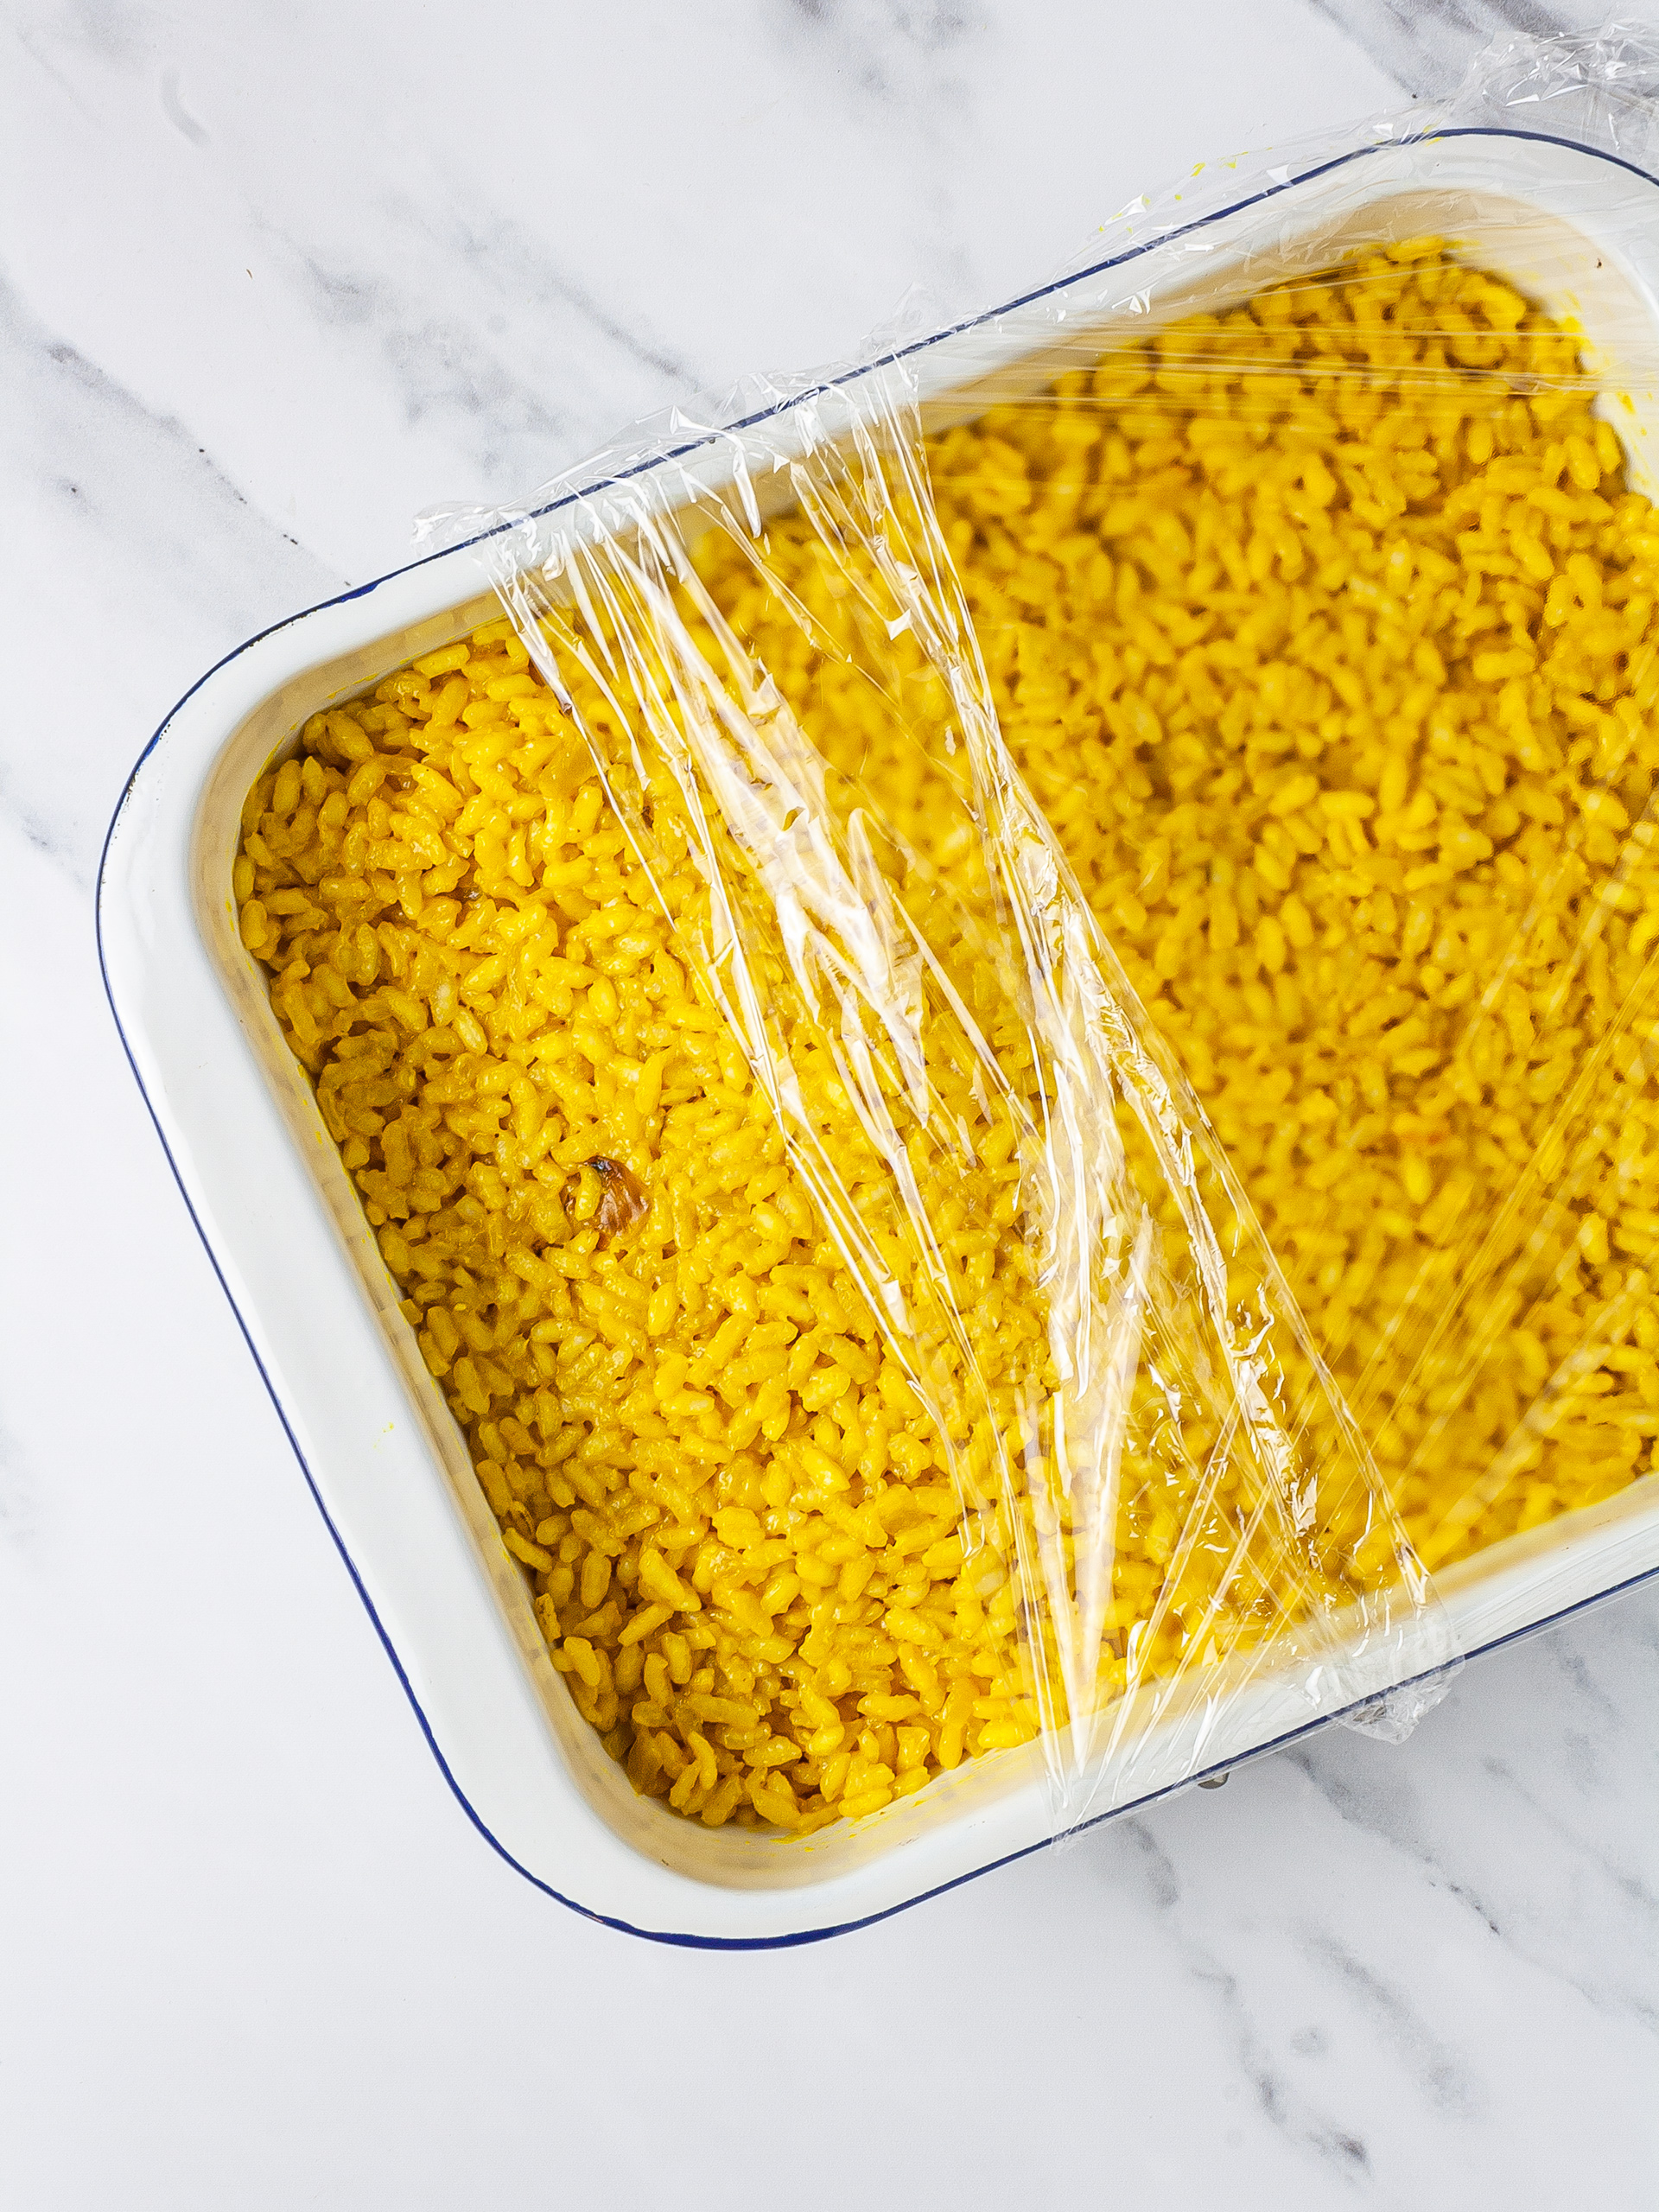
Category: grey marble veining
[271,283]
[1427,44]
[118,514]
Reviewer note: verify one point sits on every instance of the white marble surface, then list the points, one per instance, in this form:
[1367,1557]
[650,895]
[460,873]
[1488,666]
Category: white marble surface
[273,279]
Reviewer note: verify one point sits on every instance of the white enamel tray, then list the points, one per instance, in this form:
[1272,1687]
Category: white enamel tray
[382,1457]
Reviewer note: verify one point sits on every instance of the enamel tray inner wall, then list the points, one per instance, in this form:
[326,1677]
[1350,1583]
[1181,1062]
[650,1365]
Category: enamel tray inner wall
[995,1805]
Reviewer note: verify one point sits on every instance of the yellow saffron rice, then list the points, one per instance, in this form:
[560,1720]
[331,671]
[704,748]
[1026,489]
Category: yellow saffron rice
[1323,632]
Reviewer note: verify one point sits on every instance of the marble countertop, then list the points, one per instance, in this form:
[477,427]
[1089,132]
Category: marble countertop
[272,281]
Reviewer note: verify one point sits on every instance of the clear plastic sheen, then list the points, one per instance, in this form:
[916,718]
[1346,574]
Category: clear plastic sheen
[1185,1496]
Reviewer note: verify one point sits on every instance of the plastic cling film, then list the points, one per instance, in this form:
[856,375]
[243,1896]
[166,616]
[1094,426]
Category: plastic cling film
[1001,1034]
[1162,1484]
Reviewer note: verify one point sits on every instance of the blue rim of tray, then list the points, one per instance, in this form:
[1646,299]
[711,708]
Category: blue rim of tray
[640,467]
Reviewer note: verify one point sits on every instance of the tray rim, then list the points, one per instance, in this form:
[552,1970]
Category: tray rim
[457,554]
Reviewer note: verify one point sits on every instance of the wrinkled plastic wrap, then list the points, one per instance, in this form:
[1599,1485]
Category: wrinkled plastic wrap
[1362,638]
